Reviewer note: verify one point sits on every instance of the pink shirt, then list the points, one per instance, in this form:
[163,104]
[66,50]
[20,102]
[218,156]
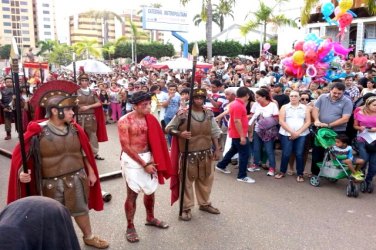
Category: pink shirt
[238,111]
[365,120]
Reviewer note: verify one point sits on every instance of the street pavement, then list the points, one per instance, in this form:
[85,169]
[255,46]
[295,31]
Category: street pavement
[270,214]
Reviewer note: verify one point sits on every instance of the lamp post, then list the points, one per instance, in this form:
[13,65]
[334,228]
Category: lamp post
[74,67]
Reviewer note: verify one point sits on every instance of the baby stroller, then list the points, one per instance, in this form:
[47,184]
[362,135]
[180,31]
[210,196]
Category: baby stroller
[331,168]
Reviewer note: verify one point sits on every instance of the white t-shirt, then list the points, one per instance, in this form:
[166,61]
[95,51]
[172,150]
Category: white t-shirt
[162,97]
[269,110]
[295,119]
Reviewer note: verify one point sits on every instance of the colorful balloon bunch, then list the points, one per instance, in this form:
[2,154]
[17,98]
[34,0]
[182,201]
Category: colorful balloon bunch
[148,60]
[312,57]
[343,15]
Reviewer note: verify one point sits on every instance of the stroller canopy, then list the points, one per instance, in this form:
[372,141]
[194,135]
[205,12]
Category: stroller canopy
[325,137]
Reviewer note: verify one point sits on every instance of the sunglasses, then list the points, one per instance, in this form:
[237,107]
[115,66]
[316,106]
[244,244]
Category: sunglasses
[304,99]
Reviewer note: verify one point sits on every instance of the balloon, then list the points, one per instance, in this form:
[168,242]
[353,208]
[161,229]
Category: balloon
[326,10]
[340,50]
[345,5]
[311,70]
[266,46]
[324,48]
[337,12]
[345,20]
[310,57]
[310,37]
[309,45]
[299,72]
[298,45]
[321,69]
[298,57]
[287,61]
[290,72]
[329,57]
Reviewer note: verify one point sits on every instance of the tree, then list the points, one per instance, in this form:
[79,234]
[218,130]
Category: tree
[207,16]
[264,16]
[87,47]
[105,16]
[46,46]
[222,10]
[5,51]
[310,4]
[136,36]
[61,55]
[108,50]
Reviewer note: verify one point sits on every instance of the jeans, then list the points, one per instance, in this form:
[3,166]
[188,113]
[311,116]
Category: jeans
[167,121]
[243,151]
[289,146]
[257,150]
[367,157]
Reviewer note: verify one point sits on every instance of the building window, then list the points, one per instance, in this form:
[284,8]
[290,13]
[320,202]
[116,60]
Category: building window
[8,31]
[24,10]
[47,33]
[6,9]
[15,11]
[46,12]
[23,3]
[46,19]
[5,1]
[46,5]
[26,25]
[25,32]
[23,18]
[26,39]
[6,16]
[46,26]
[7,24]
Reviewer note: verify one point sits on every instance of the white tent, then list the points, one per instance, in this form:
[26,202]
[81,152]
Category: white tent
[91,66]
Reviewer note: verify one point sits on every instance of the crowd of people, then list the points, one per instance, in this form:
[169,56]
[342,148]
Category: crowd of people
[242,111]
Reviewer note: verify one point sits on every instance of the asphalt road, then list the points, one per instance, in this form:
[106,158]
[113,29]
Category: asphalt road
[270,214]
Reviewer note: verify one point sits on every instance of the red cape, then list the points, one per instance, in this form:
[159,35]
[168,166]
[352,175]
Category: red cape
[16,189]
[158,148]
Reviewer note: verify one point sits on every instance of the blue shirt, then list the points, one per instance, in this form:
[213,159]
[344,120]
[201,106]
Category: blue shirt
[173,106]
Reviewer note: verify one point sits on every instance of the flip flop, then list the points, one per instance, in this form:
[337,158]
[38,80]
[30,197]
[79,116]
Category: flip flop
[279,176]
[157,223]
[300,178]
[132,235]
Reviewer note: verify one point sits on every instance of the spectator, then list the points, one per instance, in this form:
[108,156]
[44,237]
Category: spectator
[360,61]
[331,110]
[294,118]
[114,95]
[279,96]
[171,105]
[351,91]
[263,129]
[217,98]
[160,98]
[370,87]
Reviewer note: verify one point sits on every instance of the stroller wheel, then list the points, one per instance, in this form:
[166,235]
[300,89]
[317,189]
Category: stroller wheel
[315,181]
[332,180]
[348,190]
[363,186]
[355,190]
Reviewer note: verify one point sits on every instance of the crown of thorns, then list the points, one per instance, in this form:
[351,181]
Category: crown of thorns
[139,97]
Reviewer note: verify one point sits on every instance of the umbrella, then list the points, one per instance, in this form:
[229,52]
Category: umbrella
[180,63]
[91,66]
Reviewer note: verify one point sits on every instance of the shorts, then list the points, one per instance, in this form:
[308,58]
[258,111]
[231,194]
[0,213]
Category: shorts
[135,176]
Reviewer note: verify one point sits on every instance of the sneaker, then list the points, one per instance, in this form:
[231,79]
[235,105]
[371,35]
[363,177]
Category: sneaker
[357,177]
[246,180]
[253,168]
[270,172]
[223,170]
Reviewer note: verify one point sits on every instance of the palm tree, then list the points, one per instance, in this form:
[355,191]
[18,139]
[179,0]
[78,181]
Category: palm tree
[310,4]
[264,16]
[222,10]
[61,55]
[207,16]
[46,46]
[87,47]
[110,49]
[136,36]
[104,16]
[198,19]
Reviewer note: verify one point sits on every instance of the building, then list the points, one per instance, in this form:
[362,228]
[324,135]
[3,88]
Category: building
[29,21]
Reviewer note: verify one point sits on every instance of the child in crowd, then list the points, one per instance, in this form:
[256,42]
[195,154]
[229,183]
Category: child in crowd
[184,98]
[343,152]
[103,97]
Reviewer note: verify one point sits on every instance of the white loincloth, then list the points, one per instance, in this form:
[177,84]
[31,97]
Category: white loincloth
[136,177]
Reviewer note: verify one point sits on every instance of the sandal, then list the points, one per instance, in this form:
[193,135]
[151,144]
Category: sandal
[290,172]
[96,242]
[300,178]
[157,223]
[132,235]
[279,176]
[97,157]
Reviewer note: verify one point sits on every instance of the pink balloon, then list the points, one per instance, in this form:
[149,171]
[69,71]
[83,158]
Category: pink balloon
[337,12]
[324,48]
[287,61]
[266,46]
[299,45]
[310,57]
[345,20]
[309,45]
[340,50]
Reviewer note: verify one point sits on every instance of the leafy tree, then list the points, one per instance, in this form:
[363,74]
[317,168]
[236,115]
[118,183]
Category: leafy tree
[108,51]
[310,4]
[137,35]
[104,16]
[46,46]
[154,49]
[264,16]
[5,51]
[61,55]
[207,16]
[87,47]
[221,11]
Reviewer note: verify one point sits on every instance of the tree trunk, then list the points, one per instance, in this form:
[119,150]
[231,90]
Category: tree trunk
[264,35]
[209,26]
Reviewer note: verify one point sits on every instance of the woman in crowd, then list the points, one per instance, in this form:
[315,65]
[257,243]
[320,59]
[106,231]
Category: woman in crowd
[114,95]
[294,118]
[364,122]
[370,88]
[263,129]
